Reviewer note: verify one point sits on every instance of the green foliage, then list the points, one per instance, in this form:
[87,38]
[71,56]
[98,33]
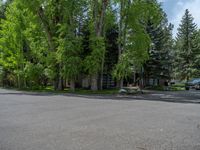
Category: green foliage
[50,70]
[93,62]
[57,23]
[186,49]
[123,69]
[20,45]
[197,55]
[34,73]
[68,54]
[49,41]
[11,41]
[137,41]
[159,65]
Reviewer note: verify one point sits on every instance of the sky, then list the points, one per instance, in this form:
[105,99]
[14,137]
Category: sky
[175,10]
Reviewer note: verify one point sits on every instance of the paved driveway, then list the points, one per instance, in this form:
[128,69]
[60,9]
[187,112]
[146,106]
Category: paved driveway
[55,122]
[192,96]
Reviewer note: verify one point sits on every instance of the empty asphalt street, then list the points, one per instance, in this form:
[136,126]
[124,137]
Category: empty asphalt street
[153,121]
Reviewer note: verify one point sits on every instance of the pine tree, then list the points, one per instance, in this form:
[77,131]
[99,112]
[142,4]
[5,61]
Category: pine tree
[158,67]
[185,47]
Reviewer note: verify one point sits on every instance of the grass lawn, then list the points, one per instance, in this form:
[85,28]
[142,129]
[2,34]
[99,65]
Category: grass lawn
[50,89]
[178,87]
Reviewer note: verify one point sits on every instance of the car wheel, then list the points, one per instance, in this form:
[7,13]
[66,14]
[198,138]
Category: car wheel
[187,88]
[198,87]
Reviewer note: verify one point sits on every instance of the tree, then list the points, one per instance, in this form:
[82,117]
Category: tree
[94,61]
[70,40]
[197,54]
[60,20]
[12,43]
[185,48]
[159,65]
[21,52]
[50,41]
[124,6]
[3,7]
[135,54]
[50,16]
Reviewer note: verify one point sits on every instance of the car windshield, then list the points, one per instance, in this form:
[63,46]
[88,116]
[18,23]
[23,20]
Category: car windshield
[194,80]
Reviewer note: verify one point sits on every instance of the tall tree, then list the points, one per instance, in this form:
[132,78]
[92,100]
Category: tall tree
[197,54]
[49,16]
[135,54]
[185,48]
[124,6]
[21,53]
[70,41]
[60,20]
[12,38]
[93,62]
[159,65]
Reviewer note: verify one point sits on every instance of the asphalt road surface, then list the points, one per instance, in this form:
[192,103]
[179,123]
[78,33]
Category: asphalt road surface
[63,122]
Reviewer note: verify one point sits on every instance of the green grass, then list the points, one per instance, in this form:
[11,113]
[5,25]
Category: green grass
[106,91]
[50,89]
[178,87]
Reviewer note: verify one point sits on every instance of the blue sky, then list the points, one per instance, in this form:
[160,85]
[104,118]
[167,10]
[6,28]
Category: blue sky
[175,10]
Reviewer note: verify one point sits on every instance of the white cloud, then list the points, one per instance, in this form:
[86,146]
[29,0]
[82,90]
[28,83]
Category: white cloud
[162,1]
[192,6]
[180,3]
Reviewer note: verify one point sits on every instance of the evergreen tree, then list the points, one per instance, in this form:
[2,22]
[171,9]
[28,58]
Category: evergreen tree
[185,47]
[159,65]
[197,54]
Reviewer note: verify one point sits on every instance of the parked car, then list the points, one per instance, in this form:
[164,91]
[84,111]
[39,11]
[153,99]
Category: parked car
[197,86]
[193,84]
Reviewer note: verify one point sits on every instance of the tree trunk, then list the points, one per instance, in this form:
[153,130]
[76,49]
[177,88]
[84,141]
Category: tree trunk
[61,80]
[142,78]
[187,78]
[99,32]
[102,71]
[19,81]
[60,84]
[120,84]
[46,28]
[56,78]
[122,32]
[72,85]
[55,85]
[101,81]
[99,22]
[94,83]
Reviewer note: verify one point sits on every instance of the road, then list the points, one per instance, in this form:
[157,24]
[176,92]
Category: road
[192,96]
[63,122]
